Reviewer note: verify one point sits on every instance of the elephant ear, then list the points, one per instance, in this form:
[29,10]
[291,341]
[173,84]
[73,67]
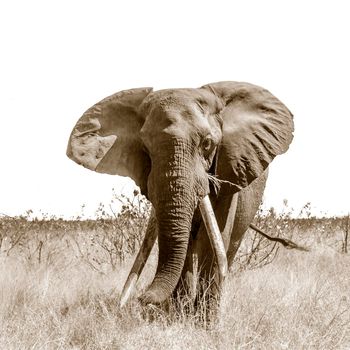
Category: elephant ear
[106,137]
[256,128]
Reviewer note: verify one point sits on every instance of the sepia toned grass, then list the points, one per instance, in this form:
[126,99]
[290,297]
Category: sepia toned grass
[300,301]
[63,293]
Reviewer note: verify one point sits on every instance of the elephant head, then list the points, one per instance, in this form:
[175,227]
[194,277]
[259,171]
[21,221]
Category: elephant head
[168,141]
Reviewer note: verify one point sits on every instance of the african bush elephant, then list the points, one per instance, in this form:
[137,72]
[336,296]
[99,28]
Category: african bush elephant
[180,145]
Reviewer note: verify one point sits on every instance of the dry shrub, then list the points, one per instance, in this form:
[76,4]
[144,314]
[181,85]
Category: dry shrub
[303,228]
[106,241]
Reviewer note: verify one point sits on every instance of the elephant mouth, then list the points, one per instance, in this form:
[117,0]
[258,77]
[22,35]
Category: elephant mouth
[215,238]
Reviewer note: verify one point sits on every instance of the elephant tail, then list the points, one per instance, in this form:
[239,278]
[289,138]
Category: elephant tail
[287,243]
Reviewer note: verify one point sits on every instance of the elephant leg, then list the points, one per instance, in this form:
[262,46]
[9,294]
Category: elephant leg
[249,199]
[200,267]
[234,212]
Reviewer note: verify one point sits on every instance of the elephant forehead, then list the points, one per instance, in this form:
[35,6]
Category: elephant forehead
[181,100]
[179,113]
[183,121]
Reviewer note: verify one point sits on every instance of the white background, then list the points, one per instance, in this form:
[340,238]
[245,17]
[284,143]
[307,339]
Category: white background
[60,57]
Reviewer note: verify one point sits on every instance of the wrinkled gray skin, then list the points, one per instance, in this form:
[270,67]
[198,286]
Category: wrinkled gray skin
[168,141]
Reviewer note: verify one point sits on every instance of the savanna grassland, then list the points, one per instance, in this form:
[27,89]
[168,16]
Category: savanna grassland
[60,283]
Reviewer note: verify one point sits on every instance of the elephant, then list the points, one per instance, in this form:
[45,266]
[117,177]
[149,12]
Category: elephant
[201,157]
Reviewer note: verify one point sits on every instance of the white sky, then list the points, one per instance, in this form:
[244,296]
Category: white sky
[59,58]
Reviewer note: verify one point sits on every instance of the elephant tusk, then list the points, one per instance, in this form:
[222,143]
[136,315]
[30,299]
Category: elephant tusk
[214,236]
[141,258]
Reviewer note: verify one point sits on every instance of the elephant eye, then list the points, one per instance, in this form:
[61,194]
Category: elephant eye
[207,144]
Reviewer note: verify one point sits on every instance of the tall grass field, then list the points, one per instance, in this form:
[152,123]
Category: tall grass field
[60,282]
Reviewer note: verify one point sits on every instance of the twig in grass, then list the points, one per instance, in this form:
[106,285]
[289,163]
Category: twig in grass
[287,243]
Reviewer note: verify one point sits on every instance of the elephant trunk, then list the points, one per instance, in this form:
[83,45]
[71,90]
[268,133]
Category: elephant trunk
[174,195]
[174,217]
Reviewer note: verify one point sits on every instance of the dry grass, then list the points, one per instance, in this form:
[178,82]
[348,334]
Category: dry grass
[68,299]
[299,301]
